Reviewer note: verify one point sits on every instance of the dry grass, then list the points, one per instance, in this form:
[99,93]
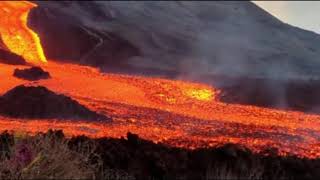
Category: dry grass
[49,157]
[255,172]
[52,156]
[223,172]
[45,157]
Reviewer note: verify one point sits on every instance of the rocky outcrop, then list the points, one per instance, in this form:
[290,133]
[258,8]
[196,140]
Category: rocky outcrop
[31,74]
[39,102]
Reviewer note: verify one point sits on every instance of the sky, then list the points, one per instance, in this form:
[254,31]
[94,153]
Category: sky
[303,14]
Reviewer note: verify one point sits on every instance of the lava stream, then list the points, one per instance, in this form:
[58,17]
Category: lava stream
[177,113]
[16,35]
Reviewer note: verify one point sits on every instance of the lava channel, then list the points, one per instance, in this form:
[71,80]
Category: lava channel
[177,113]
[16,35]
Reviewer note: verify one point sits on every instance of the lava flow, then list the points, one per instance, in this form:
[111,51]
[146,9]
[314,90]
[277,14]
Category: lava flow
[176,113]
[16,35]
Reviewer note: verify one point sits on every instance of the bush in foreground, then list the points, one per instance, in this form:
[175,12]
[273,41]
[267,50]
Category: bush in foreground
[52,156]
[48,156]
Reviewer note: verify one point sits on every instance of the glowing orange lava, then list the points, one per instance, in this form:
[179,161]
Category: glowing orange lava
[15,33]
[176,113]
[200,94]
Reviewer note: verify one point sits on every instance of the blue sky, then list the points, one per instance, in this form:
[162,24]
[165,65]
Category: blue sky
[303,14]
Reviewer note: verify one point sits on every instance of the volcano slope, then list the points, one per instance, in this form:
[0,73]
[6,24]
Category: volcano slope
[293,94]
[188,41]
[188,38]
[176,113]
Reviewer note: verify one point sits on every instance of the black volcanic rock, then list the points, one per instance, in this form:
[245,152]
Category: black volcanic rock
[39,102]
[85,45]
[7,57]
[208,38]
[31,74]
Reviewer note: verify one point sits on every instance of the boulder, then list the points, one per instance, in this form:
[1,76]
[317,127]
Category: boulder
[31,74]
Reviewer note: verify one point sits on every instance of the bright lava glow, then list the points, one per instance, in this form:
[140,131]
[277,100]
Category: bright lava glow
[15,33]
[167,111]
[200,94]
[177,113]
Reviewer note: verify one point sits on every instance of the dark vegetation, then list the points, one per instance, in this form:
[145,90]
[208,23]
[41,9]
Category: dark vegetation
[40,102]
[51,155]
[31,74]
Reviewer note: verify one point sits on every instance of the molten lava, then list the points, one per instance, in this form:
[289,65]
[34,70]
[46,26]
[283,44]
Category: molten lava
[200,94]
[176,113]
[15,33]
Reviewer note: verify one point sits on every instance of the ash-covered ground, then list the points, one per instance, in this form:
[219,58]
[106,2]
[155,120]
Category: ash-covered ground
[190,39]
